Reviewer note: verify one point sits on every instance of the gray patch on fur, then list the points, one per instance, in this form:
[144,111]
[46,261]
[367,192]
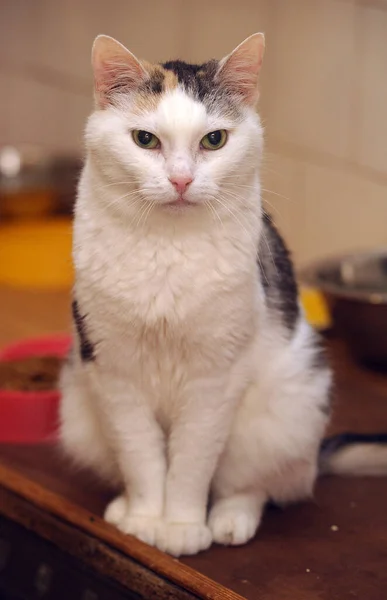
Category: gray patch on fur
[277,275]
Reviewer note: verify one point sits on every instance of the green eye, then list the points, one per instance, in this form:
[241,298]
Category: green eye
[214,140]
[144,139]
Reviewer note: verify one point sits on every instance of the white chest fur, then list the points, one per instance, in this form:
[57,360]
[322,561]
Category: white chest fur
[165,305]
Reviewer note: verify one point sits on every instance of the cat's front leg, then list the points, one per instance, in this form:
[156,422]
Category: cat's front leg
[196,441]
[139,446]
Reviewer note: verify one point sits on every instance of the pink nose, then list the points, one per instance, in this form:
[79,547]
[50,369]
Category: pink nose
[181,183]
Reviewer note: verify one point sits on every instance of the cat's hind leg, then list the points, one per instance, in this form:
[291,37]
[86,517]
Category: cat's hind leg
[271,453]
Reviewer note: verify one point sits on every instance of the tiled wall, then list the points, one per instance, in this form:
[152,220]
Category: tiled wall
[45,45]
[327,124]
[324,94]
[45,73]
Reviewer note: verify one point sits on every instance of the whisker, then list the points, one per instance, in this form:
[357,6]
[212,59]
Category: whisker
[276,194]
[272,207]
[151,206]
[270,252]
[265,240]
[214,211]
[115,183]
[235,216]
[142,212]
[251,187]
[248,233]
[139,215]
[130,194]
[134,196]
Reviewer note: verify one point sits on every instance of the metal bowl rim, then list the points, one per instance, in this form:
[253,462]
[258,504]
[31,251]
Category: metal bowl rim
[308,277]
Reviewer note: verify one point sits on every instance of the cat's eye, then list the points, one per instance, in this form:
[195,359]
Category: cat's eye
[214,140]
[145,139]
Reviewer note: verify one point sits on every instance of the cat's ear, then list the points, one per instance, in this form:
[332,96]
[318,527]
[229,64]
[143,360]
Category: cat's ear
[116,70]
[239,70]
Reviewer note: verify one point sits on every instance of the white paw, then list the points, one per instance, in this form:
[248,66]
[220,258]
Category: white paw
[116,510]
[142,527]
[183,538]
[232,525]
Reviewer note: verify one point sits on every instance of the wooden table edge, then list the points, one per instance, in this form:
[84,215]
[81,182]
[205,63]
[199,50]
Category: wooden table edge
[158,562]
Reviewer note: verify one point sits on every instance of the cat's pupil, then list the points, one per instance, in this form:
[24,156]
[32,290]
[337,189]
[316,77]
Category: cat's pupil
[144,137]
[215,137]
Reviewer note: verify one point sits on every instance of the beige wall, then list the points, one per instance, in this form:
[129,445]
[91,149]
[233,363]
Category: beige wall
[327,123]
[324,94]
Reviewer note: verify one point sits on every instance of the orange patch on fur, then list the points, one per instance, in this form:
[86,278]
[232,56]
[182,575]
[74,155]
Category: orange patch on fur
[145,101]
[170,80]
[160,81]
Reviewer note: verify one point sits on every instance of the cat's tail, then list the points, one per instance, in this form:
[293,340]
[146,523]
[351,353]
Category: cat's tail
[354,454]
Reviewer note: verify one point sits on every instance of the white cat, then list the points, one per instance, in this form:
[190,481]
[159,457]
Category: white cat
[194,375]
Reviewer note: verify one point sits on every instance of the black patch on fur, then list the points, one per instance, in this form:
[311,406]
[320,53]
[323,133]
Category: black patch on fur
[185,72]
[200,82]
[155,83]
[87,349]
[329,446]
[277,275]
[332,444]
[197,79]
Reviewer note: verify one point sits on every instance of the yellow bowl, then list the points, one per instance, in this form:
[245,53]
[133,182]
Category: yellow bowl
[36,254]
[315,307]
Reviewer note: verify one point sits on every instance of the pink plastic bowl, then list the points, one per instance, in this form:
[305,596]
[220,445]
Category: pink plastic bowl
[31,417]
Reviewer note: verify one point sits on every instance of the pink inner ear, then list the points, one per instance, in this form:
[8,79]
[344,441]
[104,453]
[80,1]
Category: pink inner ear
[241,76]
[240,69]
[116,76]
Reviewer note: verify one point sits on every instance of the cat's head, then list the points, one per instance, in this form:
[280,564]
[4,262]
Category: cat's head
[176,137]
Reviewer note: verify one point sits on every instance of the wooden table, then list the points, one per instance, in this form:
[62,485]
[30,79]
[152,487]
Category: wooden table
[50,516]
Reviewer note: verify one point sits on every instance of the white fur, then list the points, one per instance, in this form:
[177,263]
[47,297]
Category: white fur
[195,386]
[357,460]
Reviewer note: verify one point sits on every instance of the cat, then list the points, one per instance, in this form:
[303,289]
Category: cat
[195,384]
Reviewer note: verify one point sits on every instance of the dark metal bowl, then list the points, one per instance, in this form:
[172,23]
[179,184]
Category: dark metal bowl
[355,287]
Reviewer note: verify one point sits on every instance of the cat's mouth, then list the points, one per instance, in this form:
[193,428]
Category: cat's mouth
[180,202]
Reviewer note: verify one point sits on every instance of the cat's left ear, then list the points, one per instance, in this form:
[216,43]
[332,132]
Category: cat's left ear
[239,70]
[116,70]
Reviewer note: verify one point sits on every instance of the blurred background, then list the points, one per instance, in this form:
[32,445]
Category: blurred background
[324,107]
[323,104]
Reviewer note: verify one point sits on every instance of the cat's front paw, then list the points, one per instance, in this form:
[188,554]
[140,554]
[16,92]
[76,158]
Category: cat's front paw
[116,510]
[232,529]
[234,521]
[142,527]
[183,538]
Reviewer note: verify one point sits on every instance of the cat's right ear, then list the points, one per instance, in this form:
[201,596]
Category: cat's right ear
[116,70]
[239,71]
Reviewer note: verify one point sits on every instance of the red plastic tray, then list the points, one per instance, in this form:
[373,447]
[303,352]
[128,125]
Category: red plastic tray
[31,417]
